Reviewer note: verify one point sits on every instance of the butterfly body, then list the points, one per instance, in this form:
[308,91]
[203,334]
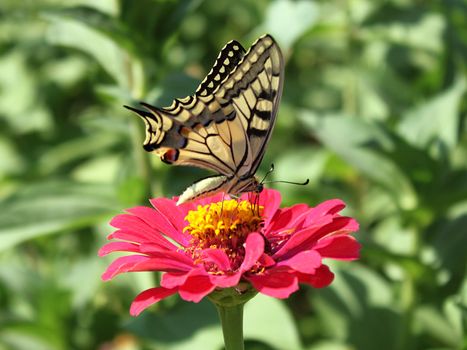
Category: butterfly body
[226,125]
[218,183]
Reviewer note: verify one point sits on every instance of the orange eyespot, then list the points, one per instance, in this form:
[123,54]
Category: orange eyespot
[170,156]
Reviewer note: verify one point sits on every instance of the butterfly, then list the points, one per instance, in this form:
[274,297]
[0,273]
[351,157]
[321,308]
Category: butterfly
[226,125]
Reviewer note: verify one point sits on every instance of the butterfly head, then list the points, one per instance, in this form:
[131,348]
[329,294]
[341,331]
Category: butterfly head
[249,184]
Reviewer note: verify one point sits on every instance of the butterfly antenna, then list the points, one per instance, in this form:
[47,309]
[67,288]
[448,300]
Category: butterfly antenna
[271,169]
[304,183]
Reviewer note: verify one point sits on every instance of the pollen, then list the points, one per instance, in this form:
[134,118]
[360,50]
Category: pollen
[223,221]
[222,225]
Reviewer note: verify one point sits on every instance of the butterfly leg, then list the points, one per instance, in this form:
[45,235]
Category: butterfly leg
[222,205]
[233,196]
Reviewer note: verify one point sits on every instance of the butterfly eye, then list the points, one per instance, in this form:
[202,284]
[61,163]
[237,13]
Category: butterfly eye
[259,188]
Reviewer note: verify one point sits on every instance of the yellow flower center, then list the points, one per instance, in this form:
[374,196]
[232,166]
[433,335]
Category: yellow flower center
[223,225]
[223,220]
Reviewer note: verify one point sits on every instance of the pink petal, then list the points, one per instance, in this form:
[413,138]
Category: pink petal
[340,225]
[178,256]
[169,264]
[218,257]
[275,284]
[159,223]
[118,247]
[149,297]
[327,208]
[134,263]
[285,218]
[156,247]
[122,264]
[128,221]
[331,206]
[226,280]
[306,239]
[266,261]
[136,230]
[196,288]
[304,262]
[175,279]
[126,236]
[131,236]
[297,241]
[341,247]
[320,279]
[174,215]
[270,200]
[254,248]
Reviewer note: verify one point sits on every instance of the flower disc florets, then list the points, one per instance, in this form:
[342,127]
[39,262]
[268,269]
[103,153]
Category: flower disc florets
[222,225]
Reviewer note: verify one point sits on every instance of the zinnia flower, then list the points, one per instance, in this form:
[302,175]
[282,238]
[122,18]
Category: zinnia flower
[215,244]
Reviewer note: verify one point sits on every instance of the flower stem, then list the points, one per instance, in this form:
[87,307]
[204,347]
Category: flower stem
[232,326]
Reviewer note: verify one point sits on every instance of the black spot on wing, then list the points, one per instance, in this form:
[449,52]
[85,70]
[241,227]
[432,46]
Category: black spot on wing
[267,94]
[264,115]
[257,132]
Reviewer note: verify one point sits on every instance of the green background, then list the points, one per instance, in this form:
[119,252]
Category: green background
[373,112]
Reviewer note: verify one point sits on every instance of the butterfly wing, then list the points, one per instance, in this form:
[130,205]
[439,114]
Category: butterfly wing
[227,123]
[187,133]
[254,88]
[230,55]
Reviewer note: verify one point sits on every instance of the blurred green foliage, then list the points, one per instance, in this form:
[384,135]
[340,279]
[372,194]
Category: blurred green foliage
[373,112]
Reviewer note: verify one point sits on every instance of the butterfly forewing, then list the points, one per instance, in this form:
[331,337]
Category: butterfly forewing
[227,60]
[254,88]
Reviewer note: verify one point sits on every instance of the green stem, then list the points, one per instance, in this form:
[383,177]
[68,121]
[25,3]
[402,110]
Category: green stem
[232,326]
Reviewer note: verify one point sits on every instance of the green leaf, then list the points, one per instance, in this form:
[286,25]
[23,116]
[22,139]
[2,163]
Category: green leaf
[358,308]
[351,139]
[188,326]
[12,162]
[435,123]
[45,208]
[434,324]
[26,336]
[132,190]
[83,279]
[20,108]
[268,320]
[76,149]
[301,164]
[328,345]
[287,20]
[449,244]
[87,30]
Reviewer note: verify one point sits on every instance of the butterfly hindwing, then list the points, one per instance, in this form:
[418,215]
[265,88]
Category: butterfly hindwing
[178,144]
